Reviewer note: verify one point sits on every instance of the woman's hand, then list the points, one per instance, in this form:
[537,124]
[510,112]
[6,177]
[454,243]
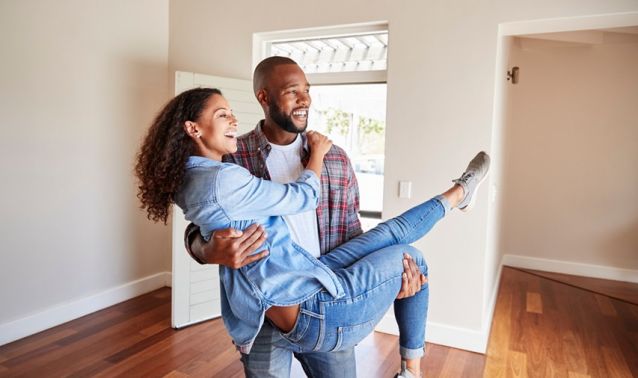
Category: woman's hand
[319,146]
[319,143]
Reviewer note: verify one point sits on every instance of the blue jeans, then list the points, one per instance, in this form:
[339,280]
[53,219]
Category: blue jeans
[370,268]
[270,357]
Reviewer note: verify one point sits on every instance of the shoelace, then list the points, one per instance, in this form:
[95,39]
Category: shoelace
[467,176]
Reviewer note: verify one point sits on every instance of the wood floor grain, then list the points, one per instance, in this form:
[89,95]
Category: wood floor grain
[546,328]
[542,327]
[625,291]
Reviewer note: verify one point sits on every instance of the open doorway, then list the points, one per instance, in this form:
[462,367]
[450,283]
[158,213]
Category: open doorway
[347,68]
[353,116]
[567,134]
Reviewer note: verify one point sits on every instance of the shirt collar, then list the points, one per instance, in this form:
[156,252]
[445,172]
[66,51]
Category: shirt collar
[200,161]
[264,145]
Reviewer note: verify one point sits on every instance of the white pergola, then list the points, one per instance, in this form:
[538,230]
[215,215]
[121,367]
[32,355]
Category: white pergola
[364,52]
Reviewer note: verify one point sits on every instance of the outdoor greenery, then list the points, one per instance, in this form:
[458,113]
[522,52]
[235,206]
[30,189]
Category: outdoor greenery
[337,121]
[369,133]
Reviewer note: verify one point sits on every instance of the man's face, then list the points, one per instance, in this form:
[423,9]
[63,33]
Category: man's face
[289,98]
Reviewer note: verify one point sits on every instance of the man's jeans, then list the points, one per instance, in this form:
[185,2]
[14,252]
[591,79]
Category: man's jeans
[271,357]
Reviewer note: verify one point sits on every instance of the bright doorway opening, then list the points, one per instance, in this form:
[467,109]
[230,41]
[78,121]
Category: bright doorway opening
[347,69]
[353,116]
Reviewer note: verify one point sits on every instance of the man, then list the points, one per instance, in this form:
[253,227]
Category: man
[276,150]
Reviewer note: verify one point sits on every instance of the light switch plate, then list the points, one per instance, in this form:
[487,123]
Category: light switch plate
[405,189]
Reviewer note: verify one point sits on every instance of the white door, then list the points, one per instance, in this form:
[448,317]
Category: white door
[195,291]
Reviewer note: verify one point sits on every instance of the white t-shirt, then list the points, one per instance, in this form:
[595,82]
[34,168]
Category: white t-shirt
[284,165]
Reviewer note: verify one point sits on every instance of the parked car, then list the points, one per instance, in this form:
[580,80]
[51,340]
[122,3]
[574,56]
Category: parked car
[369,164]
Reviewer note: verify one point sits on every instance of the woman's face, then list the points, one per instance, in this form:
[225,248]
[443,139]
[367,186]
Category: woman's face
[218,128]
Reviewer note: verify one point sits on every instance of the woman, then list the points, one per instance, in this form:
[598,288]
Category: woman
[320,304]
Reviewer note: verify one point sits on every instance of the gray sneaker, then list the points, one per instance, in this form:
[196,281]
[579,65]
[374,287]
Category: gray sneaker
[405,373]
[472,178]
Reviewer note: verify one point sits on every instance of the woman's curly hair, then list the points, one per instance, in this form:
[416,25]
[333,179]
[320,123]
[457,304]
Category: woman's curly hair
[161,161]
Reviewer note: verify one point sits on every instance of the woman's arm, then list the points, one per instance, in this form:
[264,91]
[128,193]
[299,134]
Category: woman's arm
[319,146]
[244,196]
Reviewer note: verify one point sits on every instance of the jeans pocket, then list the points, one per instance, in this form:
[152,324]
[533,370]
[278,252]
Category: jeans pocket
[300,329]
[348,337]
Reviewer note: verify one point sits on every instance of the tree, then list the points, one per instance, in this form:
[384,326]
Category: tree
[337,121]
[371,126]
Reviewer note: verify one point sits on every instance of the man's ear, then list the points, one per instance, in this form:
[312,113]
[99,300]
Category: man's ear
[262,97]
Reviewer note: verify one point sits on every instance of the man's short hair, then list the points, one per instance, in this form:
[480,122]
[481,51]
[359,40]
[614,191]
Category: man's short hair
[265,67]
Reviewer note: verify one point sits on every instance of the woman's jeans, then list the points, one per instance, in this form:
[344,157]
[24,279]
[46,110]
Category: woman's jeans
[370,268]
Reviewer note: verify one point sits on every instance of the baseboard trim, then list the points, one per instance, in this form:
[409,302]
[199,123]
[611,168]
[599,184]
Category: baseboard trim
[451,336]
[442,334]
[489,311]
[63,313]
[573,268]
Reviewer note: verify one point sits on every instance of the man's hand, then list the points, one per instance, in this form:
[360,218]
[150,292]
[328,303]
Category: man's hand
[413,279]
[231,248]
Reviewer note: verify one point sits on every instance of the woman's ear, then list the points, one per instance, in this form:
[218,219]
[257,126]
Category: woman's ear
[191,129]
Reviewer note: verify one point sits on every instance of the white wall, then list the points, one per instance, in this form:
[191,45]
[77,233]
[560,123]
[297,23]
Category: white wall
[441,75]
[571,151]
[80,83]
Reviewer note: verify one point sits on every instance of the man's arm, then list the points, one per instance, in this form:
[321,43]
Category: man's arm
[228,247]
[353,223]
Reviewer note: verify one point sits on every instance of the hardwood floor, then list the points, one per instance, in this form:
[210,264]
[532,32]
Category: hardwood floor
[541,328]
[624,291]
[544,328]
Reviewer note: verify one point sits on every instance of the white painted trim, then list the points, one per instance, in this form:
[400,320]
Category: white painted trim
[442,334]
[569,24]
[65,312]
[356,77]
[455,337]
[488,316]
[573,268]
[324,31]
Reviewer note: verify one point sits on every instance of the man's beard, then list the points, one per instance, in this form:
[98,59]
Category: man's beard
[284,121]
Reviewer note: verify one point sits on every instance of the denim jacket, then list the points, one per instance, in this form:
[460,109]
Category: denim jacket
[216,195]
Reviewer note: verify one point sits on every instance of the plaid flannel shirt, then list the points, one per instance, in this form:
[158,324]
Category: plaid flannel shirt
[338,210]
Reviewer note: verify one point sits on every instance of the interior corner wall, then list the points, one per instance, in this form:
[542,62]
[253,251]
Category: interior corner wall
[441,80]
[80,83]
[571,176]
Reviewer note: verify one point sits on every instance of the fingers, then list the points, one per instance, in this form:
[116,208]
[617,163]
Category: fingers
[253,258]
[251,234]
[412,280]
[405,287]
[407,269]
[253,238]
[317,138]
[407,284]
[227,233]
[252,243]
